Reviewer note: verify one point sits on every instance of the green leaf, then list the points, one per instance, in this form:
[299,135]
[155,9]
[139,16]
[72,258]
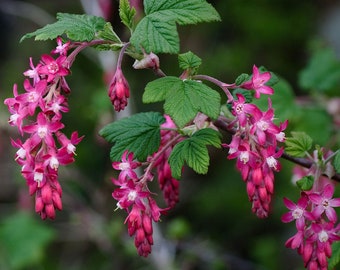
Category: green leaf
[298,144]
[193,151]
[23,240]
[139,134]
[156,36]
[76,27]
[242,78]
[189,60]
[335,259]
[107,33]
[183,99]
[181,11]
[305,183]
[157,32]
[322,72]
[336,161]
[126,13]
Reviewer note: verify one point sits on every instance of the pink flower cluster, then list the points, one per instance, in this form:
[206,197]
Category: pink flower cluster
[255,143]
[134,196]
[38,112]
[315,219]
[167,183]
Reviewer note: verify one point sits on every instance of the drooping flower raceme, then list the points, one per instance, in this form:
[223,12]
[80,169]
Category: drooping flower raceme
[315,219]
[133,195]
[255,143]
[38,113]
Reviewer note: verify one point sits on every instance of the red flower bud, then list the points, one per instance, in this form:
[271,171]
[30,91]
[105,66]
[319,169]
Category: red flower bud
[119,90]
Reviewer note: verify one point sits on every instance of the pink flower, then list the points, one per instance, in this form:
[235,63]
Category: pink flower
[33,96]
[241,110]
[53,67]
[130,193]
[61,48]
[246,159]
[119,91]
[69,144]
[33,73]
[43,130]
[257,83]
[297,211]
[263,126]
[324,203]
[126,167]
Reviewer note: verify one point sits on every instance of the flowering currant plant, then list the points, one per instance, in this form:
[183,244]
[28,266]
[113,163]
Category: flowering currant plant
[157,146]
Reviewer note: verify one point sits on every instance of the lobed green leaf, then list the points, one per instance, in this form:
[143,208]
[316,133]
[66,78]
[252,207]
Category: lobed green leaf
[156,36]
[305,183]
[183,99]
[193,151]
[157,31]
[298,144]
[76,27]
[189,60]
[139,134]
[126,13]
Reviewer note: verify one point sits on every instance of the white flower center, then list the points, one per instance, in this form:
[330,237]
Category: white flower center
[71,148]
[323,236]
[325,203]
[272,162]
[54,163]
[33,97]
[53,67]
[244,157]
[42,131]
[262,125]
[297,213]
[38,177]
[21,153]
[239,108]
[124,166]
[132,195]
[280,136]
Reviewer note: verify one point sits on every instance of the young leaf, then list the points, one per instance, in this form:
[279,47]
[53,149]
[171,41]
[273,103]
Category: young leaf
[193,152]
[305,183]
[336,161]
[76,27]
[242,78]
[108,34]
[183,99]
[139,134]
[157,31]
[298,144]
[189,60]
[126,13]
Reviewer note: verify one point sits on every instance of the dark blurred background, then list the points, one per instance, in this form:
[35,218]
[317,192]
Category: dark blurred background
[212,227]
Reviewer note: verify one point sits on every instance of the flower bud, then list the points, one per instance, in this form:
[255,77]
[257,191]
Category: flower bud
[150,60]
[119,90]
